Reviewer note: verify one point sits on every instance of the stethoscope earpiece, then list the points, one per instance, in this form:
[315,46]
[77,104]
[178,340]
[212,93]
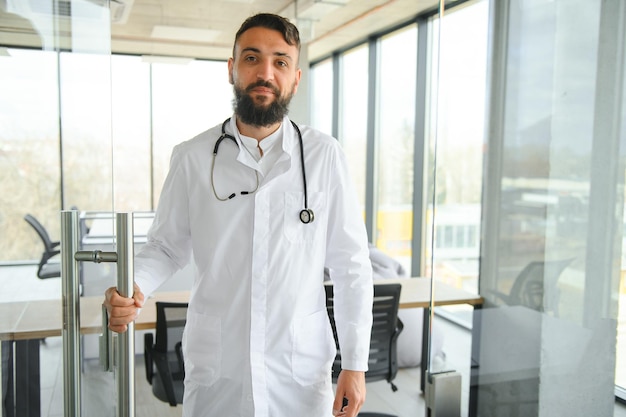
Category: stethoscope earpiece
[307,216]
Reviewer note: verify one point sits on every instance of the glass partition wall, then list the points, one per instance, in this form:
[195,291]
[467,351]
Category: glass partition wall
[455,94]
[87,130]
[553,210]
[517,117]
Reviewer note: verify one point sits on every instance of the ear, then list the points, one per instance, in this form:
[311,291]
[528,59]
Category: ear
[231,63]
[297,83]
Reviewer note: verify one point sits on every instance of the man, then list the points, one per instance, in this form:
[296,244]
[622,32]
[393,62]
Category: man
[260,228]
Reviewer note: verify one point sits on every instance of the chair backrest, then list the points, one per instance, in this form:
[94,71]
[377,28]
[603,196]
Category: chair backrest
[386,327]
[164,359]
[42,232]
[171,320]
[528,288]
[45,270]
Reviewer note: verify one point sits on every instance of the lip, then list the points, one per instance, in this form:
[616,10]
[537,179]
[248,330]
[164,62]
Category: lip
[262,90]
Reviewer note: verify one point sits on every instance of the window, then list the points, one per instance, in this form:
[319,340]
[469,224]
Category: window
[395,139]
[29,150]
[117,121]
[354,87]
[459,130]
[187,100]
[321,93]
[132,153]
[85,97]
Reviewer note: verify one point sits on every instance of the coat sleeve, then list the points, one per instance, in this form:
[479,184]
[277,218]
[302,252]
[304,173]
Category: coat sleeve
[168,248]
[349,267]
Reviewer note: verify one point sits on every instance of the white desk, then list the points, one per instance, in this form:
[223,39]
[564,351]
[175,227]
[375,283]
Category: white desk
[25,323]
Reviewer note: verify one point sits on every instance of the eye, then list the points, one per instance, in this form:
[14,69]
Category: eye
[250,58]
[282,63]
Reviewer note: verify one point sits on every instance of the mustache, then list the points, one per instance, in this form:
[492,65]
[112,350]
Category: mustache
[264,84]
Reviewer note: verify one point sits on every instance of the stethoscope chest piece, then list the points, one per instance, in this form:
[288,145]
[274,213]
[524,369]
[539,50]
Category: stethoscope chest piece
[307,216]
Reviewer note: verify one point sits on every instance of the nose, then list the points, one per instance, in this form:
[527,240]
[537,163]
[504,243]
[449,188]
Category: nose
[265,70]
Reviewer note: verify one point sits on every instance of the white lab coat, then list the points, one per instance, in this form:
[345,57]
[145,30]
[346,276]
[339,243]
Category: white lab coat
[258,341]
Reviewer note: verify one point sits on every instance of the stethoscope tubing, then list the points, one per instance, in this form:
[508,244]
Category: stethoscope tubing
[306,215]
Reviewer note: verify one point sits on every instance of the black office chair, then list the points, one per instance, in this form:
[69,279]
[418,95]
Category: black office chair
[165,369]
[46,269]
[386,328]
[528,287]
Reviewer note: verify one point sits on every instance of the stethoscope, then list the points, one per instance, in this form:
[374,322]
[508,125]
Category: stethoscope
[306,214]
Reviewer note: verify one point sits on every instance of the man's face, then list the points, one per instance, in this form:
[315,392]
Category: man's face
[265,75]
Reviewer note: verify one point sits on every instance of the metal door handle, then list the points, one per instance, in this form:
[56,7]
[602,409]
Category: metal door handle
[124,355]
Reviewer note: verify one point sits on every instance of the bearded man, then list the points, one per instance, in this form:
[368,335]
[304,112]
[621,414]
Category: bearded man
[261,206]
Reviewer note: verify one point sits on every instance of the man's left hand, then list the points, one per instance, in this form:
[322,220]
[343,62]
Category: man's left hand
[351,386]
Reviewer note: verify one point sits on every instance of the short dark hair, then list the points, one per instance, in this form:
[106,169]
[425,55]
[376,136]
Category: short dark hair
[271,21]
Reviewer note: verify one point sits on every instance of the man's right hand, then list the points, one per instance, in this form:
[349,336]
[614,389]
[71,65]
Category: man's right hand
[122,310]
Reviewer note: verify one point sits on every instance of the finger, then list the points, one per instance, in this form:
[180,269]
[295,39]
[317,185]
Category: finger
[349,411]
[138,297]
[124,311]
[110,292]
[118,329]
[122,316]
[113,296]
[339,404]
[352,411]
[119,323]
[117,300]
[339,412]
[341,409]
[109,295]
[352,404]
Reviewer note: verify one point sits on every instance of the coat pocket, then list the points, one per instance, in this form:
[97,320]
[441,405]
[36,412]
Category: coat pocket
[295,231]
[202,348]
[313,349]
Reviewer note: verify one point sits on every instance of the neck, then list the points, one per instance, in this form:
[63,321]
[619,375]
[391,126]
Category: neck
[257,132]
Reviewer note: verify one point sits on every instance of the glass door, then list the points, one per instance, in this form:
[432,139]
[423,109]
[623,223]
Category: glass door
[56,154]
[87,130]
[85,107]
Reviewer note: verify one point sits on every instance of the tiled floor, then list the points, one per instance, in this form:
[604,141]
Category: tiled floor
[20,283]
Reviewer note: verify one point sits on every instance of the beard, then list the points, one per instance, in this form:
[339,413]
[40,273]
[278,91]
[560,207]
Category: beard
[252,113]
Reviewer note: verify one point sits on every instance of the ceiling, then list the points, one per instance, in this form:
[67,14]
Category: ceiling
[195,28]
